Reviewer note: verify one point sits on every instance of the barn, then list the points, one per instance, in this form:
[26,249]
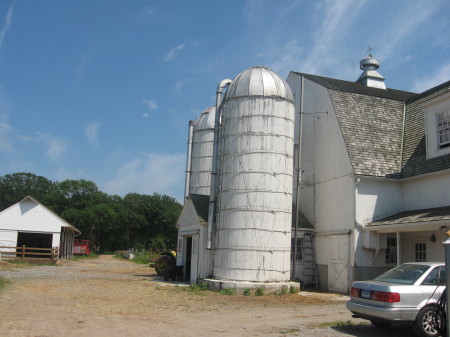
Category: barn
[29,223]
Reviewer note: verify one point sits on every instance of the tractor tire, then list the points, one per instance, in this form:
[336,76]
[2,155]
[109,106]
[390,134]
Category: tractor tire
[163,264]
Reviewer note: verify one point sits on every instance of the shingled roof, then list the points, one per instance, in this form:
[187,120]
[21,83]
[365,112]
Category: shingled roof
[201,205]
[415,216]
[371,122]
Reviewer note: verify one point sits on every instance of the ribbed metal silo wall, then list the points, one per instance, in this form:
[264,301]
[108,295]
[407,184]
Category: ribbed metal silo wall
[255,200]
[202,152]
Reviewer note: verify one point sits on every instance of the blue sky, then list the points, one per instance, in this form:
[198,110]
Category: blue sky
[103,90]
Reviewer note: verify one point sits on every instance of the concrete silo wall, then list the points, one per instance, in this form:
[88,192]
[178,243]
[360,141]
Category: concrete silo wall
[255,203]
[202,152]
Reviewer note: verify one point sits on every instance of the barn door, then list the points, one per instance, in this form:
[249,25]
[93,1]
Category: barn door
[338,276]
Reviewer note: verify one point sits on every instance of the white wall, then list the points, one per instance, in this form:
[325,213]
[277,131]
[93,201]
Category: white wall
[29,216]
[327,192]
[428,191]
[8,239]
[377,199]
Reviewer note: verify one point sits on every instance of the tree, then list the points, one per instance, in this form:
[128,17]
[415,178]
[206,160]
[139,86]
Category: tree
[14,187]
[110,222]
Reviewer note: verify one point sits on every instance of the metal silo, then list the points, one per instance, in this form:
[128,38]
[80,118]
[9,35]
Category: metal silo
[253,233]
[202,152]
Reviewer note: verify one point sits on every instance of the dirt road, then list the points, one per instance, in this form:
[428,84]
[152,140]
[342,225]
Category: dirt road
[109,297]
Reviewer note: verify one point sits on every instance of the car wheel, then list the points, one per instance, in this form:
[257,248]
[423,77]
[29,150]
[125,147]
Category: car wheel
[380,324]
[426,321]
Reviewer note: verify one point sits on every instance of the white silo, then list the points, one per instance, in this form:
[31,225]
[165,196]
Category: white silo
[202,152]
[253,232]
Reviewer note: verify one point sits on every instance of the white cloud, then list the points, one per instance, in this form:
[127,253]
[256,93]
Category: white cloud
[5,135]
[149,11]
[338,16]
[92,133]
[440,76]
[81,69]
[171,54]
[6,130]
[179,86]
[152,104]
[404,25]
[7,24]
[56,147]
[145,115]
[150,173]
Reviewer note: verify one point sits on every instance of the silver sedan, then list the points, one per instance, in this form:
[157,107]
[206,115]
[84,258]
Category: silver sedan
[408,293]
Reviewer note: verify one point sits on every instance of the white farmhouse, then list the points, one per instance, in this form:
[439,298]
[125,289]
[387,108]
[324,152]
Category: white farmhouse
[31,224]
[373,174]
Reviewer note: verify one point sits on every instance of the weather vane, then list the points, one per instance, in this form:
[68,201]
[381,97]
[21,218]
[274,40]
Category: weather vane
[369,49]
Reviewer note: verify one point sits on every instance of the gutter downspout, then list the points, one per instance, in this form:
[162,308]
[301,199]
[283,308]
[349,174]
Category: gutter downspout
[213,191]
[187,184]
[403,138]
[299,176]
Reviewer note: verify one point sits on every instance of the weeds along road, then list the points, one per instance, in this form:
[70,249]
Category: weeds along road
[111,297]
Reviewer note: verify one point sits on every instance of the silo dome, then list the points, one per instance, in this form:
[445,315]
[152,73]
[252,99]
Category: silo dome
[202,152]
[259,81]
[253,232]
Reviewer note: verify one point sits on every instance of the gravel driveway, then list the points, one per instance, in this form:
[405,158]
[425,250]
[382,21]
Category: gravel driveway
[106,297]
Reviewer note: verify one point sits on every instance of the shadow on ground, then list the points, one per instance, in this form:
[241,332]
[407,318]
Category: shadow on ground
[368,330]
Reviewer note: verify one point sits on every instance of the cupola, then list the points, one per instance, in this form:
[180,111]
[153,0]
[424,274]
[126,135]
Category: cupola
[370,76]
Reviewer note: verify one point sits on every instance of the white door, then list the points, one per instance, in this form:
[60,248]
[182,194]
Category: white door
[338,277]
[194,259]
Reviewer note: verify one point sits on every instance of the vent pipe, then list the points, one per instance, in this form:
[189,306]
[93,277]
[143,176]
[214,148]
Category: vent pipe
[187,185]
[213,191]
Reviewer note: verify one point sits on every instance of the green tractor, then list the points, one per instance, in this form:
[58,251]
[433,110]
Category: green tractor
[166,266]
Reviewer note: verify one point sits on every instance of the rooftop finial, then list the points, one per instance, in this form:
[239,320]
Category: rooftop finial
[369,49]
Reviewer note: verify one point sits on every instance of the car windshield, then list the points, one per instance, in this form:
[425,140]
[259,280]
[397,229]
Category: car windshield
[404,274]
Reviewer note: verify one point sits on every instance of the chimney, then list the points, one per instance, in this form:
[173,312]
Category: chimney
[370,76]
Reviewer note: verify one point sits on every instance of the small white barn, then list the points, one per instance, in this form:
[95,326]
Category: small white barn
[31,224]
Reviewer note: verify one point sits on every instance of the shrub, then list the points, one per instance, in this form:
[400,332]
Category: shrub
[282,291]
[259,292]
[293,290]
[227,291]
[247,292]
[204,286]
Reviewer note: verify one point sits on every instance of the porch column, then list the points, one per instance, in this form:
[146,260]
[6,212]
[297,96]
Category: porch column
[399,246]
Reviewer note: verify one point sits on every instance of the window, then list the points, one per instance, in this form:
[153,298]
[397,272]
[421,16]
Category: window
[437,116]
[391,250]
[443,128]
[435,277]
[420,251]
[299,256]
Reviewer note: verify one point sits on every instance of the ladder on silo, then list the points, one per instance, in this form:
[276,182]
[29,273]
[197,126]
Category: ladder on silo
[309,262]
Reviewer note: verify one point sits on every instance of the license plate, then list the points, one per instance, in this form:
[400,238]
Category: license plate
[365,293]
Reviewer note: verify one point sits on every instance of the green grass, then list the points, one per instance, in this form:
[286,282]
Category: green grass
[330,324]
[28,263]
[142,256]
[289,331]
[3,282]
[84,257]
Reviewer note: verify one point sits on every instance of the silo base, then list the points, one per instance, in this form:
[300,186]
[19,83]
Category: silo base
[240,286]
